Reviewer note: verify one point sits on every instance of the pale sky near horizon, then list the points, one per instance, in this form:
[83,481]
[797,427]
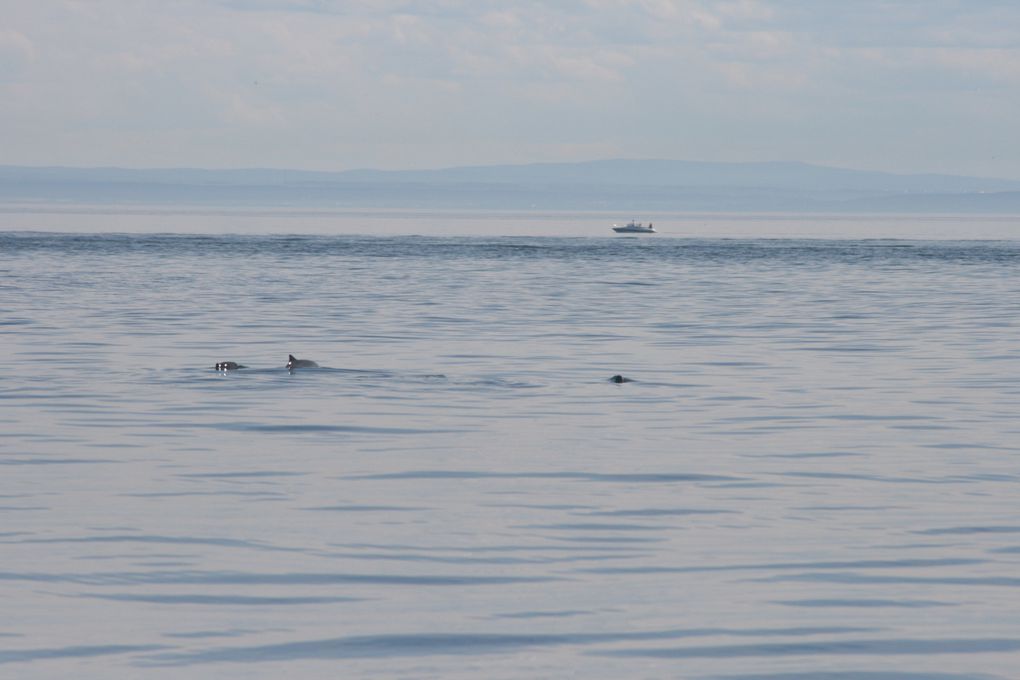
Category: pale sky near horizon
[895,85]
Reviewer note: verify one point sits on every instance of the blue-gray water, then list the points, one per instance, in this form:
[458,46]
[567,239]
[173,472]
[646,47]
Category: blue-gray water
[815,474]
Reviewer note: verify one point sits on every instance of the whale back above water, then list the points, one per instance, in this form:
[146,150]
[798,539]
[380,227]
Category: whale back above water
[228,366]
[619,379]
[293,363]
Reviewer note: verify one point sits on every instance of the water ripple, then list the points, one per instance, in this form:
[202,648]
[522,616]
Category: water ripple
[878,647]
[73,652]
[859,675]
[430,644]
[218,600]
[777,566]
[626,478]
[249,578]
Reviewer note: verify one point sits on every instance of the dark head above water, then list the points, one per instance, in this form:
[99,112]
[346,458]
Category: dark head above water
[619,379]
[228,366]
[293,363]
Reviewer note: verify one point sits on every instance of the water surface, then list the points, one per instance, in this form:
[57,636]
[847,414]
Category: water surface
[814,473]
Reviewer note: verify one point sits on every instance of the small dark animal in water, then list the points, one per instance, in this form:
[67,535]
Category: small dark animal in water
[619,379]
[228,366]
[293,363]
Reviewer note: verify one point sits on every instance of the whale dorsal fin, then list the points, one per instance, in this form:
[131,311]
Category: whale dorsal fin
[290,358]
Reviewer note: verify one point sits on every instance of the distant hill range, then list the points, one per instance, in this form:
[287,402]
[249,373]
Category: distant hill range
[611,185]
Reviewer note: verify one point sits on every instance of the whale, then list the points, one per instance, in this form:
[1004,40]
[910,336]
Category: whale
[293,363]
[619,379]
[228,366]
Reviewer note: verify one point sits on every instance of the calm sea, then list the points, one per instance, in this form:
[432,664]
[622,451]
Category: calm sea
[814,475]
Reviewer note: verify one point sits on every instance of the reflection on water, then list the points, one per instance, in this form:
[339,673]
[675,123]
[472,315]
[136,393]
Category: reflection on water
[812,475]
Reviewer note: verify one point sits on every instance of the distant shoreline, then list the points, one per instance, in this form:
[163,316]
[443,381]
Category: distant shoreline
[597,187]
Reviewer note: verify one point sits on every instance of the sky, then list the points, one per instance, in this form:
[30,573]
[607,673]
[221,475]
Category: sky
[893,85]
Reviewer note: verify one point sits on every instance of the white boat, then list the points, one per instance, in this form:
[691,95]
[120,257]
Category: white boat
[633,227]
